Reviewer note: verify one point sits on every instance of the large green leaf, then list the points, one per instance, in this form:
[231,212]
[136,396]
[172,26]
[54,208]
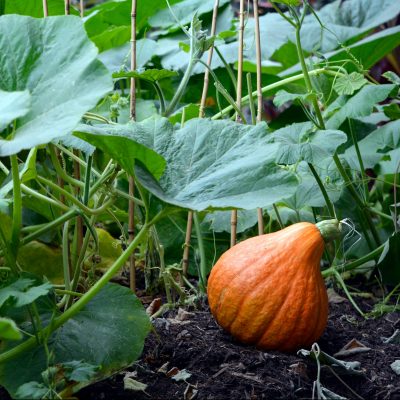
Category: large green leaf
[345,20]
[359,105]
[209,164]
[217,164]
[118,58]
[63,81]
[374,146]
[118,142]
[298,142]
[108,24]
[34,8]
[109,332]
[183,12]
[12,106]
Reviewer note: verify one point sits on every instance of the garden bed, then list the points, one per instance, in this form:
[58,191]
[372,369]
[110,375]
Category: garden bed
[221,368]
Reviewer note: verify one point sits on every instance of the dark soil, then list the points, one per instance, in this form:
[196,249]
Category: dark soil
[221,368]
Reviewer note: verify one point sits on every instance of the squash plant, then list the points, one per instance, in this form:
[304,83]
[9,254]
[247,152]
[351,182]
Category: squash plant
[332,152]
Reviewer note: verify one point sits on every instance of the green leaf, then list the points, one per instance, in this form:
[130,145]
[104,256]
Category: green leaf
[27,173]
[298,142]
[387,261]
[392,77]
[9,330]
[348,84]
[392,111]
[216,164]
[118,142]
[183,12]
[191,111]
[32,390]
[108,24]
[22,292]
[78,371]
[108,332]
[283,96]
[373,146]
[12,106]
[220,221]
[34,8]
[359,105]
[118,58]
[29,60]
[149,75]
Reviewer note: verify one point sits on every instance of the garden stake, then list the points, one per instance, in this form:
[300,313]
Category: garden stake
[67,7]
[81,8]
[45,9]
[259,93]
[132,112]
[189,224]
[238,103]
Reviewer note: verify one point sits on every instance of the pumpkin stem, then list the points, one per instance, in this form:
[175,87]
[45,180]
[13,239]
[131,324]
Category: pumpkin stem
[330,229]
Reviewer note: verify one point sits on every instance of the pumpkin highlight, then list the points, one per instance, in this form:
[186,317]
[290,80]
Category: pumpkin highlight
[268,290]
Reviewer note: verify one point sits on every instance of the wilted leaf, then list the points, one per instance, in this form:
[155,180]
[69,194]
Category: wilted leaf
[182,375]
[132,384]
[340,367]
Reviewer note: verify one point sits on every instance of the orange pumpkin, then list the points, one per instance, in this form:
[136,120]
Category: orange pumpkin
[268,290]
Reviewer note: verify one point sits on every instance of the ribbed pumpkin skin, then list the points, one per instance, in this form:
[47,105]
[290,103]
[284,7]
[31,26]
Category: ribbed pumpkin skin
[268,290]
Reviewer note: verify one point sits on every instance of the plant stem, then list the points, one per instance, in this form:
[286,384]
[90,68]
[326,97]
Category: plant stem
[251,101]
[82,302]
[48,227]
[354,264]
[17,206]
[181,89]
[321,186]
[360,161]
[276,85]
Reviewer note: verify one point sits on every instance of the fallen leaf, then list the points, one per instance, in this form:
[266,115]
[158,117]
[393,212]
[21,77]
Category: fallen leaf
[183,315]
[396,366]
[351,348]
[334,298]
[173,371]
[154,306]
[132,384]
[182,375]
